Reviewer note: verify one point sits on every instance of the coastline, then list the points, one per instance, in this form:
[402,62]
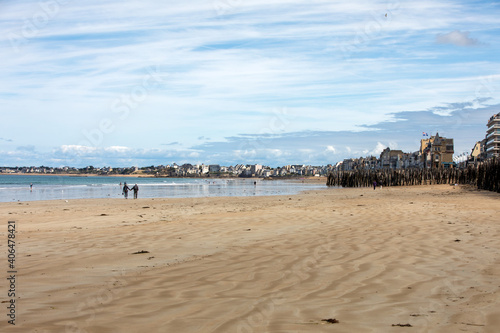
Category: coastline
[17,189]
[424,255]
[310,179]
[76,175]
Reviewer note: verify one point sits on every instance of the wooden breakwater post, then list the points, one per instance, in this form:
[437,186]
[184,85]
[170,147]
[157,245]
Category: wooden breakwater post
[488,175]
[485,176]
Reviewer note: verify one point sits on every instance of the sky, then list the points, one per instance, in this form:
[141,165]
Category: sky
[276,82]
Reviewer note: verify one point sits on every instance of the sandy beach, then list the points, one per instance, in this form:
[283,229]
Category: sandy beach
[374,260]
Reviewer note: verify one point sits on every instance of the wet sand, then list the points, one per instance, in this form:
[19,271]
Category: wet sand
[375,261]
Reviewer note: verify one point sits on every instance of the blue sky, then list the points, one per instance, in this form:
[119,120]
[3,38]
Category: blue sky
[275,82]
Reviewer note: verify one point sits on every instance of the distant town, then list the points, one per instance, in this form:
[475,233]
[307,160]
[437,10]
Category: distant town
[435,152]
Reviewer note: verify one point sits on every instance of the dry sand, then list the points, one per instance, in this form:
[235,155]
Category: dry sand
[427,256]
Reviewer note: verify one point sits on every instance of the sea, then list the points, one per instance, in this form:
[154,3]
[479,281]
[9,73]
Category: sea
[15,188]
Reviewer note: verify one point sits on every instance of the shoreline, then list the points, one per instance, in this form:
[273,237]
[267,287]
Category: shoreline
[76,175]
[100,188]
[427,256]
[306,178]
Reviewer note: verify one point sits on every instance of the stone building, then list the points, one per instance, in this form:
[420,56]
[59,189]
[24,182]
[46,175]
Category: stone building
[436,152]
[391,159]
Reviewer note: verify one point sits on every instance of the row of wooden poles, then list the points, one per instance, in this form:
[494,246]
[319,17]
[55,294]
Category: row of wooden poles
[485,175]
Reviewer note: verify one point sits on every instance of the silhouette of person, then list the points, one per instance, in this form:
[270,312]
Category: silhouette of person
[125,190]
[135,188]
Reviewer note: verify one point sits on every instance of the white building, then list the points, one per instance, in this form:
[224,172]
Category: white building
[492,147]
[255,168]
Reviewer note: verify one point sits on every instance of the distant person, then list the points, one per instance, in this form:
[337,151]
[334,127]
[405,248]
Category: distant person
[31,187]
[135,188]
[125,190]
[374,185]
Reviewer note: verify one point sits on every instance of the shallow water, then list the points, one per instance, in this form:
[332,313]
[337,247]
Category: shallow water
[17,187]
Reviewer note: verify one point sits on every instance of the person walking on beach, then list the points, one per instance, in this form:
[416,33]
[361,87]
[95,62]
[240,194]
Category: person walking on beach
[374,184]
[135,188]
[31,187]
[125,190]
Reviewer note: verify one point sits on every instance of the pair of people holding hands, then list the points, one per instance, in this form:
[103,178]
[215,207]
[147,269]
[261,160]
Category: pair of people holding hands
[125,190]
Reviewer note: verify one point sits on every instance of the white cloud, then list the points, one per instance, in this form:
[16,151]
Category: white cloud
[194,154]
[457,38]
[275,152]
[393,145]
[245,153]
[117,149]
[331,149]
[77,149]
[378,149]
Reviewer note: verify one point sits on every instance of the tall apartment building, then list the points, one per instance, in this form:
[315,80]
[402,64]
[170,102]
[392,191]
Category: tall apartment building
[492,147]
